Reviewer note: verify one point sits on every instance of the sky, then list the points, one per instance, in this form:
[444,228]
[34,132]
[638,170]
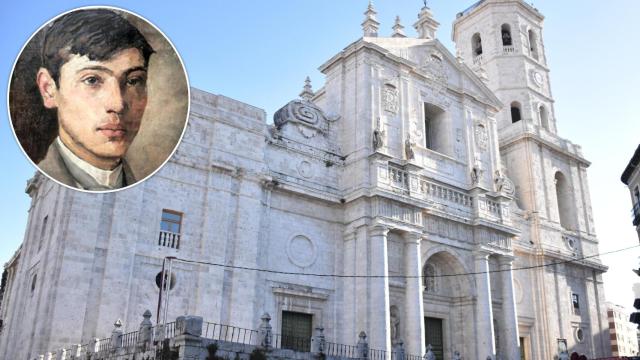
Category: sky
[259,52]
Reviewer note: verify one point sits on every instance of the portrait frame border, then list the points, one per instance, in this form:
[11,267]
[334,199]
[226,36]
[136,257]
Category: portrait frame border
[184,69]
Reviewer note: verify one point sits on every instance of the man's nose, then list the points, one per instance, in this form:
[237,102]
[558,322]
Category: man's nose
[115,101]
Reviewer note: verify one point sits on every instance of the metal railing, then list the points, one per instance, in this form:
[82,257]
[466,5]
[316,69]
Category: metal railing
[229,333]
[129,339]
[333,349]
[295,343]
[169,239]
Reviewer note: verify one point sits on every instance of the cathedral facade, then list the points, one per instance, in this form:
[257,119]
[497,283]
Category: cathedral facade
[421,196]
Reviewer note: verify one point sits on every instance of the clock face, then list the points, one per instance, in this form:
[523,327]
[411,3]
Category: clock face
[537,77]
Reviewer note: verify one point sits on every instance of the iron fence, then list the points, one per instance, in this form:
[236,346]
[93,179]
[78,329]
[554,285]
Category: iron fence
[333,349]
[230,333]
[302,344]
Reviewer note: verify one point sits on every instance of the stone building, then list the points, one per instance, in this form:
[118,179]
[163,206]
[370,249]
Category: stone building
[434,186]
[623,334]
[631,178]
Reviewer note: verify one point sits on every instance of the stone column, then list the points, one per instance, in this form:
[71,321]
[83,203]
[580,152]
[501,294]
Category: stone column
[414,319]
[509,313]
[379,313]
[484,315]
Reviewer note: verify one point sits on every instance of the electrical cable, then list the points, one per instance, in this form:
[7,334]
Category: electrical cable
[400,276]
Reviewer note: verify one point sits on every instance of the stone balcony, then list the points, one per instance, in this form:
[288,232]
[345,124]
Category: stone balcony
[508,50]
[526,128]
[473,204]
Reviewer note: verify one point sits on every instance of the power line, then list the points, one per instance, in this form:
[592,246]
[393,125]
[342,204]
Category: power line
[397,276]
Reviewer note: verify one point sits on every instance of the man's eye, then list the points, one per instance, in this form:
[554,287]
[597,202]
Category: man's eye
[135,81]
[91,80]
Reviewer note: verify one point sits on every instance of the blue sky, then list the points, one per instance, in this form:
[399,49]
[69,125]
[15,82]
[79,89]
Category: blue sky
[259,52]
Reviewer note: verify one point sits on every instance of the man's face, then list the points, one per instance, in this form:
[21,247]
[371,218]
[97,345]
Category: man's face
[100,105]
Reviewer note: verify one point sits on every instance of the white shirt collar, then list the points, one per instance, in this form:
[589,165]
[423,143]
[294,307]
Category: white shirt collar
[108,178]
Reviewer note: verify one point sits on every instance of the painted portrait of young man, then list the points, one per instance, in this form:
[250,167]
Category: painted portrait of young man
[93,84]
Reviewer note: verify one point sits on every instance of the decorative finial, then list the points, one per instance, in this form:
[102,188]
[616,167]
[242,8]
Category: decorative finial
[426,25]
[398,29]
[307,91]
[370,25]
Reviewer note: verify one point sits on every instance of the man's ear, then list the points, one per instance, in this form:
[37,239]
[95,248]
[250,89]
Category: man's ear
[48,88]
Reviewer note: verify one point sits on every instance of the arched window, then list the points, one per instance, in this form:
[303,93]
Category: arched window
[515,112]
[506,35]
[429,278]
[564,198]
[476,44]
[533,46]
[544,117]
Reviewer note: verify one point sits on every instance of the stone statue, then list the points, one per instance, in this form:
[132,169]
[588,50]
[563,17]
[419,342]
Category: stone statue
[476,171]
[408,148]
[429,355]
[378,136]
[394,320]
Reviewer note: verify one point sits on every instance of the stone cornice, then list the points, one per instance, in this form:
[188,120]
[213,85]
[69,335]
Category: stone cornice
[524,135]
[491,100]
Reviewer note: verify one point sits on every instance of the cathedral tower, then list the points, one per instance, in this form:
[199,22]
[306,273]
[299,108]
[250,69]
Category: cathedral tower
[502,42]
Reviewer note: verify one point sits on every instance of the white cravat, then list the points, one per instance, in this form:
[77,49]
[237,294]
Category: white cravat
[111,179]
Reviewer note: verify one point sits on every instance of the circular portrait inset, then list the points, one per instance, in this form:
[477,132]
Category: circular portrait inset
[98,99]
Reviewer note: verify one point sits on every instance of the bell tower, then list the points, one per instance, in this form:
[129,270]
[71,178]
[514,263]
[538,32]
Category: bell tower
[501,41]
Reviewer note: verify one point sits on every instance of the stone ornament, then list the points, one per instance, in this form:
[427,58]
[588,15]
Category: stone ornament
[301,251]
[304,169]
[482,137]
[309,119]
[503,184]
[390,99]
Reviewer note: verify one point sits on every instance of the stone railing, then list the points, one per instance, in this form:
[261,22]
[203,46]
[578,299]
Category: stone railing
[194,339]
[443,197]
[420,187]
[508,49]
[527,127]
[477,60]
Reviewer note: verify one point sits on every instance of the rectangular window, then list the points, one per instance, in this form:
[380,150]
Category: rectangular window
[170,228]
[575,300]
[296,331]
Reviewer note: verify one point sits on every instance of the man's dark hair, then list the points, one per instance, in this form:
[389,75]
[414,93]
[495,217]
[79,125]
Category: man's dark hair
[97,33]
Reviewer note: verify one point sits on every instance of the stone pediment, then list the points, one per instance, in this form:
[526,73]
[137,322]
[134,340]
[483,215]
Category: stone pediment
[428,58]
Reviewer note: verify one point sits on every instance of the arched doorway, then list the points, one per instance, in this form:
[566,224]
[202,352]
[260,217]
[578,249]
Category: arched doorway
[448,304]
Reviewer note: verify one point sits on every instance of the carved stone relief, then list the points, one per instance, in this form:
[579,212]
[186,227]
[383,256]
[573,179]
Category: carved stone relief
[302,251]
[390,99]
[482,137]
[504,184]
[304,169]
